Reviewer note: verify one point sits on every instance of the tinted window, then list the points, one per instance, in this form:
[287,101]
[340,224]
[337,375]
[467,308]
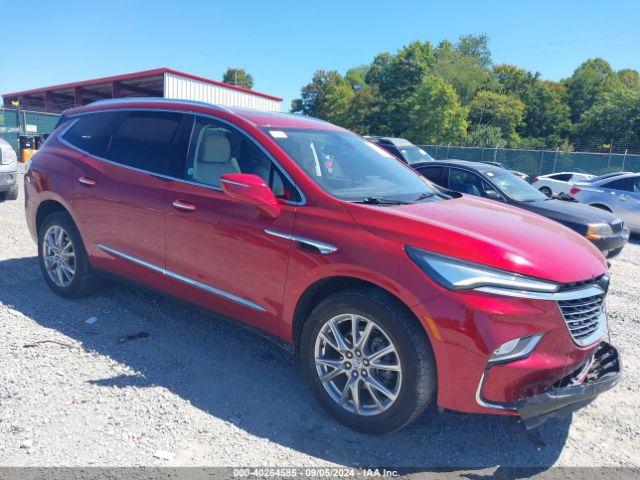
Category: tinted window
[413,154]
[437,175]
[144,140]
[466,182]
[563,177]
[91,132]
[217,149]
[629,184]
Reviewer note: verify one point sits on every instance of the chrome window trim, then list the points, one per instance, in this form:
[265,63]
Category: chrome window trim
[324,248]
[74,119]
[231,182]
[182,278]
[554,296]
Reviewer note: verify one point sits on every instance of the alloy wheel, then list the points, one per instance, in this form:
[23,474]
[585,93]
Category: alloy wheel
[59,256]
[358,364]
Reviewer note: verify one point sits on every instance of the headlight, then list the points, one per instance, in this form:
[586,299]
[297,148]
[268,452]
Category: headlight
[596,231]
[457,274]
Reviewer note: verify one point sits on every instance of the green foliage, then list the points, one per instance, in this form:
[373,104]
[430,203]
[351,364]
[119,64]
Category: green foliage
[452,93]
[485,136]
[502,111]
[328,96]
[238,76]
[436,115]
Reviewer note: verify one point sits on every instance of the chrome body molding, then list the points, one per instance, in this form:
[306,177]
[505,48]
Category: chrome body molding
[554,296]
[231,182]
[324,248]
[487,404]
[182,278]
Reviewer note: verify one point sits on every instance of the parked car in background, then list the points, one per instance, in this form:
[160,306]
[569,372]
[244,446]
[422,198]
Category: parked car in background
[8,171]
[605,176]
[555,184]
[619,194]
[381,284]
[522,175]
[401,148]
[604,229]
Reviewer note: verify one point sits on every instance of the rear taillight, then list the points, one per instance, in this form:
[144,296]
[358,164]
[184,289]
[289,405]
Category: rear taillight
[535,179]
[574,190]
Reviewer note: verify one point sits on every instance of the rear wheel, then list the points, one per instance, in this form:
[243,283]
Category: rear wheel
[547,191]
[368,361]
[63,258]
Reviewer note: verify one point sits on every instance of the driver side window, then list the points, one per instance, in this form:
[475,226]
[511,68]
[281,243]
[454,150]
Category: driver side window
[217,149]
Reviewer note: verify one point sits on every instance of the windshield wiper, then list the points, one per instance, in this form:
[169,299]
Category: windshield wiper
[424,195]
[381,201]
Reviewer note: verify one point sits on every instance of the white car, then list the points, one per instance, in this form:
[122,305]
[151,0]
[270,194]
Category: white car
[8,172]
[554,184]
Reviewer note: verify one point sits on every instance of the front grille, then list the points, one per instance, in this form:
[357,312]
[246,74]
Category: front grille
[582,316]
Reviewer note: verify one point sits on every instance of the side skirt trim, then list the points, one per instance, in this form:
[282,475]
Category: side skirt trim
[182,278]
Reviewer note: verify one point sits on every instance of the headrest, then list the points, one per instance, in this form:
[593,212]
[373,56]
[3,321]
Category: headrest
[214,148]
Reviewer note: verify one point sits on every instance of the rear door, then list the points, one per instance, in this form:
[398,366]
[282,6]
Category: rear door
[624,195]
[120,190]
[435,173]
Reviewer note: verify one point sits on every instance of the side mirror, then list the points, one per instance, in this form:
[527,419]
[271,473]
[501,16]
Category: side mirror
[492,194]
[252,190]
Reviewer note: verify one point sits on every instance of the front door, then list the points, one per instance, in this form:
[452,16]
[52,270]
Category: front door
[222,253]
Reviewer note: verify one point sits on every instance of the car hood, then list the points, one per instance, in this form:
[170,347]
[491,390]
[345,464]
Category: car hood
[486,232]
[570,212]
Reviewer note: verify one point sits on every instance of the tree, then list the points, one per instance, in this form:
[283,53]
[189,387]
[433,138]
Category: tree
[356,76]
[630,78]
[484,136]
[615,116]
[328,96]
[499,110]
[436,114]
[366,113]
[238,76]
[465,72]
[590,80]
[476,46]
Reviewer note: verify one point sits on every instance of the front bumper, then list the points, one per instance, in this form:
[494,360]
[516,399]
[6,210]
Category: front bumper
[612,245]
[598,374]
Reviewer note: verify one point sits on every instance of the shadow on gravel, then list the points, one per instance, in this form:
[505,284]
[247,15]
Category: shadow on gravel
[242,378]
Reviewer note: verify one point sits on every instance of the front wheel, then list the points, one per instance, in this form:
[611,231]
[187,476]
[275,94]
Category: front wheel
[368,361]
[547,191]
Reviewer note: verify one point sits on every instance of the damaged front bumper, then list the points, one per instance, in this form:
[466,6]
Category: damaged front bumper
[600,373]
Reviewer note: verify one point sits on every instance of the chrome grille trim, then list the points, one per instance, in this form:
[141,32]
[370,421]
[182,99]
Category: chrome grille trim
[584,316]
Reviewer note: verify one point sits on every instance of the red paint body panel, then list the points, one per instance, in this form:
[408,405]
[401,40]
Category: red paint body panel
[223,243]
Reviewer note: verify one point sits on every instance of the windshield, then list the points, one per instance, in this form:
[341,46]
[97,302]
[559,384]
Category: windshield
[414,154]
[515,187]
[351,168]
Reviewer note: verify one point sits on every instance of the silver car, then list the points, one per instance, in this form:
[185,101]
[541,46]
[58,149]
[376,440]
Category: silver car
[619,194]
[8,172]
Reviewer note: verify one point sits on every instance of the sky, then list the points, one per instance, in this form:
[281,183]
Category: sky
[282,43]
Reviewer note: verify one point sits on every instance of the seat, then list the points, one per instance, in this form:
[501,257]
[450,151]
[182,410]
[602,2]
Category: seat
[213,158]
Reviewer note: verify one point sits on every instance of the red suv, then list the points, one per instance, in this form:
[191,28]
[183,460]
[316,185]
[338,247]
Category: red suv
[394,295]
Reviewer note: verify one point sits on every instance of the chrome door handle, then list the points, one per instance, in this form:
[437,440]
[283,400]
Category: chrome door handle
[89,182]
[184,206]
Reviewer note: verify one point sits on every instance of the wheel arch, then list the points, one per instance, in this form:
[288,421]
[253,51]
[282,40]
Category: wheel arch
[46,208]
[326,286]
[601,206]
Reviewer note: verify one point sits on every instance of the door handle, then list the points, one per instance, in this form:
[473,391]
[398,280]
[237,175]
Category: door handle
[184,206]
[89,182]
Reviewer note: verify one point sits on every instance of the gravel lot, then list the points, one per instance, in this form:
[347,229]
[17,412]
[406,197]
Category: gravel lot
[200,391]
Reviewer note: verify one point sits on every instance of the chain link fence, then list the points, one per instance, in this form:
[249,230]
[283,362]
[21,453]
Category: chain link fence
[15,123]
[540,162]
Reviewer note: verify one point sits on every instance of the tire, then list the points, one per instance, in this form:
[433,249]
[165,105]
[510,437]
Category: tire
[11,194]
[414,385]
[547,191]
[83,280]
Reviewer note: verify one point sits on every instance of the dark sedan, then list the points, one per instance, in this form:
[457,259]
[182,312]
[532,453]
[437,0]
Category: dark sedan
[603,228]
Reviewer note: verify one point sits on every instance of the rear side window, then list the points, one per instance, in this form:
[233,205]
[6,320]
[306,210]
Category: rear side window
[563,177]
[437,175]
[91,133]
[144,140]
[629,184]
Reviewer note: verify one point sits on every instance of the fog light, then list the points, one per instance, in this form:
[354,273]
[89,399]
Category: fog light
[515,349]
[9,177]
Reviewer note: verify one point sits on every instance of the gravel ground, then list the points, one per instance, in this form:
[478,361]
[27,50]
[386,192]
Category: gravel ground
[200,391]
